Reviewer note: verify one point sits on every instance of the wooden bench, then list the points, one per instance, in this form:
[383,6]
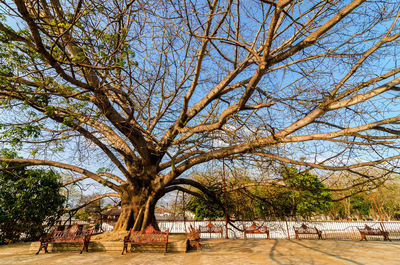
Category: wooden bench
[254,229]
[307,230]
[74,234]
[211,229]
[193,237]
[150,236]
[369,231]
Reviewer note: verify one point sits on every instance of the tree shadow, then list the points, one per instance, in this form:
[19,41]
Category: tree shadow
[326,253]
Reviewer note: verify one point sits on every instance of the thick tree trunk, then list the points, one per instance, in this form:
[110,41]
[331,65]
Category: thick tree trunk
[137,210]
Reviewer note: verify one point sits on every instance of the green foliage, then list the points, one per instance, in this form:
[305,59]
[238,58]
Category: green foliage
[15,134]
[92,210]
[301,195]
[82,215]
[102,170]
[274,202]
[309,194]
[360,204]
[205,208]
[29,198]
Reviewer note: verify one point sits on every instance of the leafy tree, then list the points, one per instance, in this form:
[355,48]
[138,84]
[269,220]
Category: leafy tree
[386,197]
[150,89]
[81,214]
[30,200]
[204,208]
[273,203]
[388,200]
[358,202]
[312,196]
[202,205]
[91,208]
[300,194]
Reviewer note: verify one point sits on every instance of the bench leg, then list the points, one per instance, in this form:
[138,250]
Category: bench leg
[386,237]
[42,245]
[85,247]
[198,246]
[363,237]
[125,248]
[193,243]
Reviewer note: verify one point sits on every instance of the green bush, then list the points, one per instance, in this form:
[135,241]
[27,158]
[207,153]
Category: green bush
[29,199]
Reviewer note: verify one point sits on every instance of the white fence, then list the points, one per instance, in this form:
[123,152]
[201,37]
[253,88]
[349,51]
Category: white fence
[283,229]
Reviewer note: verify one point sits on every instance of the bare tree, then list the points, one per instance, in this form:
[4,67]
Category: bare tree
[158,87]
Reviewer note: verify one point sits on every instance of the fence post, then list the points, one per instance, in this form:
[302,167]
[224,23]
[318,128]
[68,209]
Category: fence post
[377,209]
[226,209]
[287,229]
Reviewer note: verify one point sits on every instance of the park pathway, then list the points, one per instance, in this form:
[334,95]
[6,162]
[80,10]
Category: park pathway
[226,252]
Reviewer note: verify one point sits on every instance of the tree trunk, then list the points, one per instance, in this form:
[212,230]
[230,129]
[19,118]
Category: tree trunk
[137,211]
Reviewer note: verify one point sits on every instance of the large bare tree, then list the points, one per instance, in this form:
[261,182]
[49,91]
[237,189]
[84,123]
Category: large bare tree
[158,87]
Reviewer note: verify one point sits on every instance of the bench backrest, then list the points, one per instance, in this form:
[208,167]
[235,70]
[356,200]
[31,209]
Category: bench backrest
[305,229]
[149,234]
[140,237]
[71,234]
[193,234]
[369,230]
[256,228]
[210,228]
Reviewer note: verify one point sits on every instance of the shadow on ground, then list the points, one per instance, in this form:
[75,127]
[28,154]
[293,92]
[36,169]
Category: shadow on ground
[226,252]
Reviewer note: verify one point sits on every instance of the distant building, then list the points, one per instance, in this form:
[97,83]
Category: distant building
[111,216]
[162,214]
[66,221]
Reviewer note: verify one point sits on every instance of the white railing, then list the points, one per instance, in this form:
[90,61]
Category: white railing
[283,229]
[280,229]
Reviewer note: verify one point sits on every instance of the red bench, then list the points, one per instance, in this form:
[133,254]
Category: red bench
[150,236]
[193,237]
[211,229]
[254,229]
[72,235]
[307,230]
[369,231]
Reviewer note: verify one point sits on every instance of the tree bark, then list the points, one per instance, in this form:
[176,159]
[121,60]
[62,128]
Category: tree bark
[137,210]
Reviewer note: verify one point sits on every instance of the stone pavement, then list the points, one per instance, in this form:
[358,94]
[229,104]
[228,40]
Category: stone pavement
[226,252]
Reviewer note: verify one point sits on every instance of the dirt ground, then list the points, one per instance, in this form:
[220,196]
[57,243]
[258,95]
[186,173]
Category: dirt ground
[225,252]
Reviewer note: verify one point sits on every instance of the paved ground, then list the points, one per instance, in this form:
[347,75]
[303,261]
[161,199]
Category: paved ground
[225,252]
